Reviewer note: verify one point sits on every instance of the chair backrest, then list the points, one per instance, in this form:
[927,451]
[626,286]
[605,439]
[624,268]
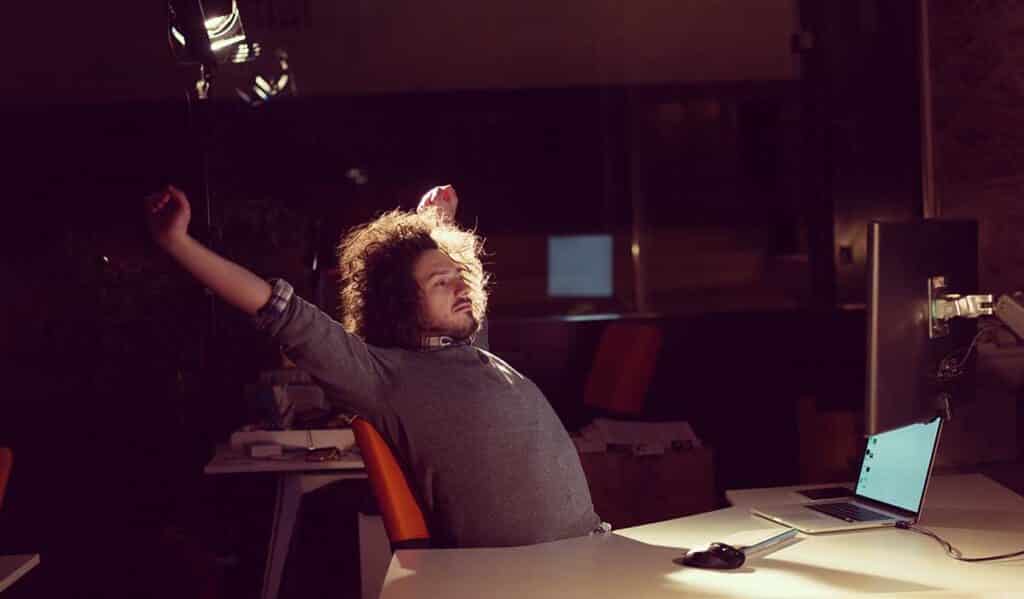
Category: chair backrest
[6,461]
[622,368]
[403,517]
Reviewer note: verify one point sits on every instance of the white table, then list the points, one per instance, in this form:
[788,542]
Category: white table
[13,567]
[295,478]
[974,513]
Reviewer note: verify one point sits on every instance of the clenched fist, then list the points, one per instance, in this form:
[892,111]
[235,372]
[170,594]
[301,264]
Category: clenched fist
[443,198]
[167,215]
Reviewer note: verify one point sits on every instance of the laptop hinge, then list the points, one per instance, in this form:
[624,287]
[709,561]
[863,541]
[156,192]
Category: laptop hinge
[885,507]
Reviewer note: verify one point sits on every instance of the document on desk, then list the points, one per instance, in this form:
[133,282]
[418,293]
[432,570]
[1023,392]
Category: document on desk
[653,437]
[342,438]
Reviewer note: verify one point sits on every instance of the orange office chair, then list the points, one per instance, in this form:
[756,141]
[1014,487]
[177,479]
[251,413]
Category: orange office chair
[622,368]
[6,461]
[403,518]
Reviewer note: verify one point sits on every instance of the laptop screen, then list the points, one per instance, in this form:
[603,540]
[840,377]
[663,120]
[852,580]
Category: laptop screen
[896,465]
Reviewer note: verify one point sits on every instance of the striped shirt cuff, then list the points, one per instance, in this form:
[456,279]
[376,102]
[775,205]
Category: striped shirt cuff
[280,294]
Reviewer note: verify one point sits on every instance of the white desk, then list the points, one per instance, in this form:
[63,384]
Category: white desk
[974,513]
[296,477]
[13,567]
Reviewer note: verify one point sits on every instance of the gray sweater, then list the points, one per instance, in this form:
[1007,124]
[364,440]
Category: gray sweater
[491,461]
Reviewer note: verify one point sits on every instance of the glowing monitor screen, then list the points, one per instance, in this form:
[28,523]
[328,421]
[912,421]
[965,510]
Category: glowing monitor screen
[580,266]
[896,465]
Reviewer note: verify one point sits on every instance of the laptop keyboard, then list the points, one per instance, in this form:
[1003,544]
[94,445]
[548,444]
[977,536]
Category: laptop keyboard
[849,511]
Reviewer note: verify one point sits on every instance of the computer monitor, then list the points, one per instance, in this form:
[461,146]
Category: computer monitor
[580,266]
[903,351]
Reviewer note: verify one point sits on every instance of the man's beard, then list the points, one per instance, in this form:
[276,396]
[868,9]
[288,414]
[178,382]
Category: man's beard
[465,332]
[459,333]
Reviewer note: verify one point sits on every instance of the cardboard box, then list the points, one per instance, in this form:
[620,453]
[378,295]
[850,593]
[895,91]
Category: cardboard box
[629,489]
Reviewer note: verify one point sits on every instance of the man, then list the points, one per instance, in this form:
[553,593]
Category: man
[489,458]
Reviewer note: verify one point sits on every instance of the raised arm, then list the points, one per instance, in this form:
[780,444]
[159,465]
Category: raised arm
[343,363]
[168,214]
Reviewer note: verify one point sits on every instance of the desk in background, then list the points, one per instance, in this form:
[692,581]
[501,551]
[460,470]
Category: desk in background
[295,478]
[13,567]
[974,513]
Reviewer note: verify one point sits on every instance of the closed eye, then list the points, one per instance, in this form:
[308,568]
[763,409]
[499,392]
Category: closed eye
[443,278]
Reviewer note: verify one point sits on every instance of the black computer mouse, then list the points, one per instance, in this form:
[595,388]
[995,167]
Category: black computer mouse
[718,556]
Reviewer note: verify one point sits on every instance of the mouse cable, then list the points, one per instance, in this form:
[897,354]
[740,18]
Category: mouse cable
[951,550]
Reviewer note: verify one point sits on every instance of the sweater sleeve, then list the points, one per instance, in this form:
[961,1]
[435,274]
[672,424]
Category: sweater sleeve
[348,368]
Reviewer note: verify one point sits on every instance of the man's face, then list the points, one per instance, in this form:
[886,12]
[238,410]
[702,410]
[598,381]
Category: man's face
[445,307]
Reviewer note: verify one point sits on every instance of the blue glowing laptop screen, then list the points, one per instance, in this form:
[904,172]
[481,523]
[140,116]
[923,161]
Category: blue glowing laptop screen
[897,463]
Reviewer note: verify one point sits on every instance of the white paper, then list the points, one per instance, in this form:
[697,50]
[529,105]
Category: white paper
[650,434]
[342,438]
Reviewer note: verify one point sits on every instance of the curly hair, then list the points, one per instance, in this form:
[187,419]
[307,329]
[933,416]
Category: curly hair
[380,298]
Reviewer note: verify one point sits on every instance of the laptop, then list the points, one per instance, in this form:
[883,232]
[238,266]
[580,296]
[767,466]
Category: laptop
[894,474]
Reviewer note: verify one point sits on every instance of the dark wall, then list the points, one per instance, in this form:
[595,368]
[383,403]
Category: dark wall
[977,116]
[862,133]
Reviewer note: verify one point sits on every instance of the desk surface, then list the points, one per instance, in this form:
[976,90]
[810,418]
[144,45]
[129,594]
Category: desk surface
[231,461]
[974,513]
[13,567]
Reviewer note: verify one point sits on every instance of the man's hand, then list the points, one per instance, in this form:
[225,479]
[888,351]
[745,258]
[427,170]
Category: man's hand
[444,199]
[167,215]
